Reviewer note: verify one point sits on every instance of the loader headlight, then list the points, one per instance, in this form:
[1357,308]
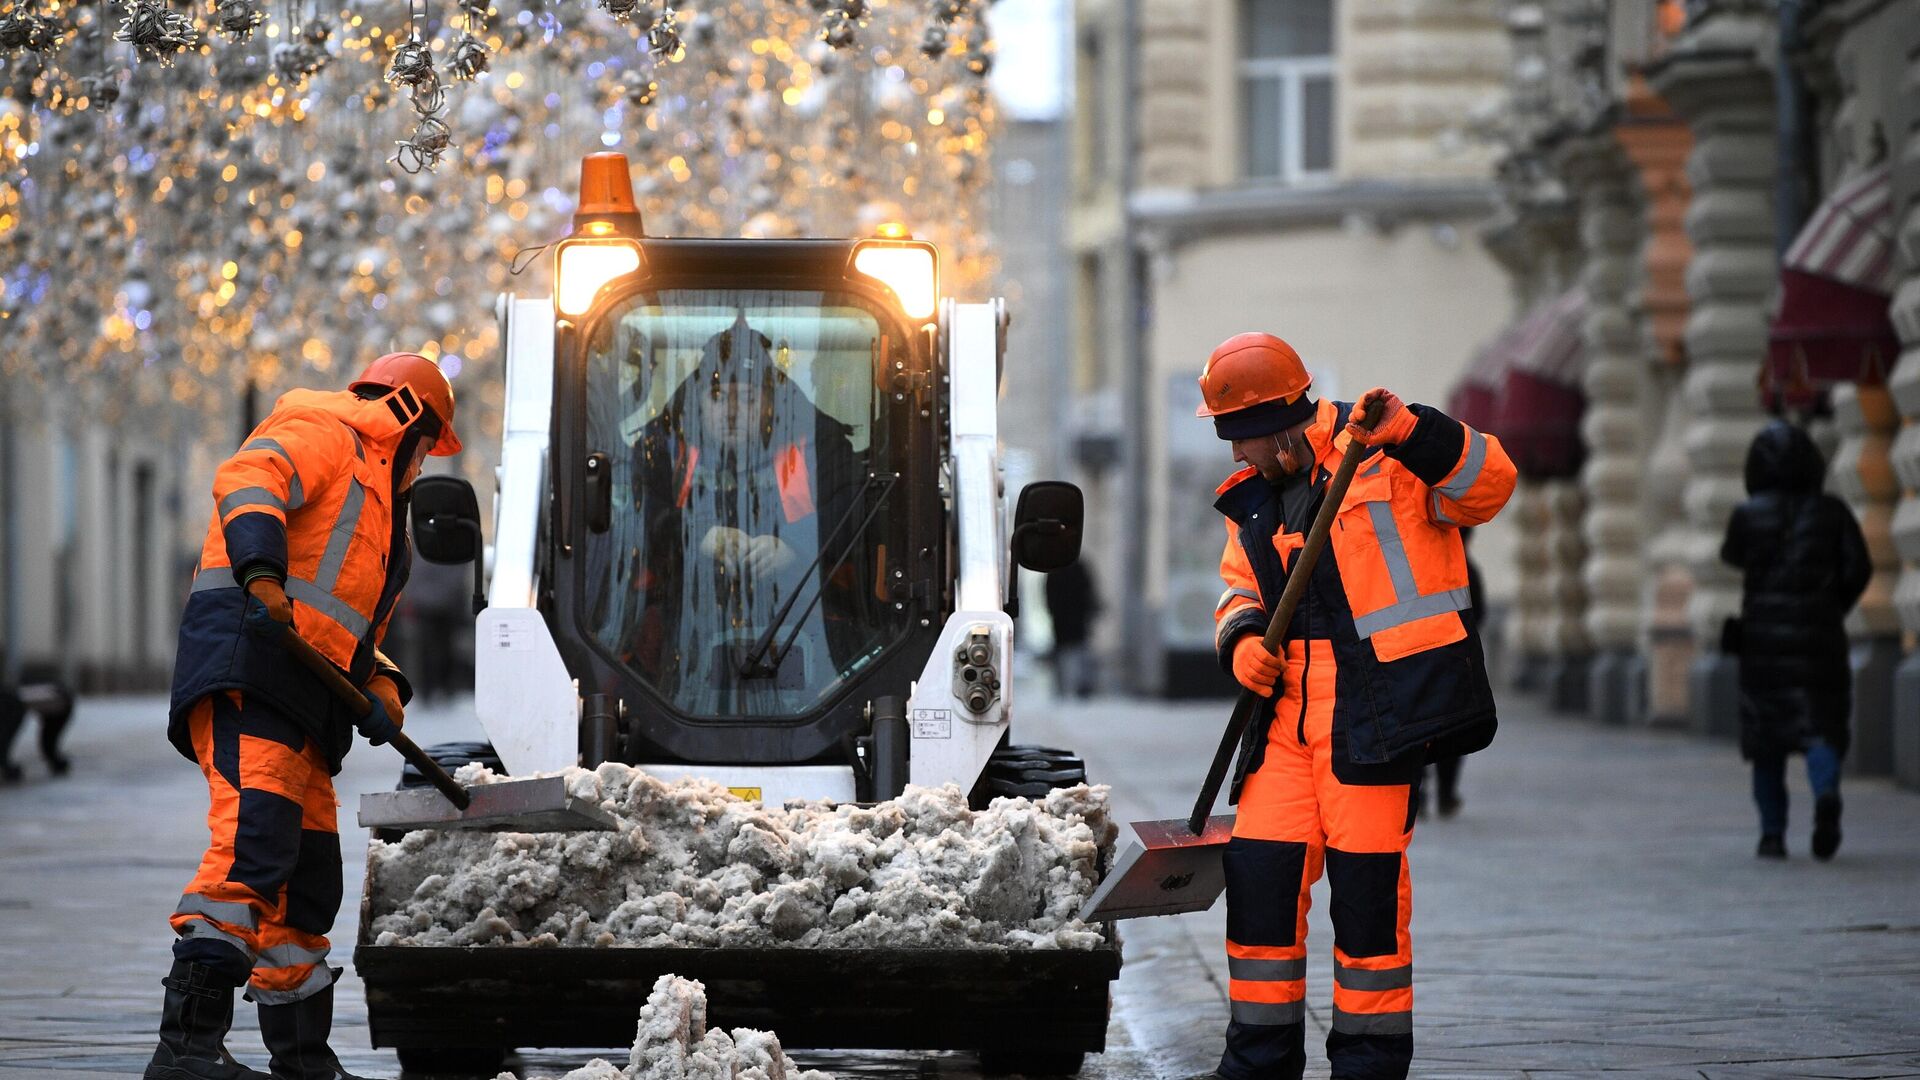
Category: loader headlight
[907,267]
[583,266]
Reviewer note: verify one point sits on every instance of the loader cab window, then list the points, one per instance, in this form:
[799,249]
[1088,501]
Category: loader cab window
[743,571]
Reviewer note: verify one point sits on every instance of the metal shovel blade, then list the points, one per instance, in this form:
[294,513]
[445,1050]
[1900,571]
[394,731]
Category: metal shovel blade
[1166,871]
[540,804]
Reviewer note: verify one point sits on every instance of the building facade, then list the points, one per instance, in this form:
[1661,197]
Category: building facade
[1720,196]
[1305,167]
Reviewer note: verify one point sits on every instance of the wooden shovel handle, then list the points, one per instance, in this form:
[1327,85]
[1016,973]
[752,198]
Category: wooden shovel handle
[356,700]
[1297,578]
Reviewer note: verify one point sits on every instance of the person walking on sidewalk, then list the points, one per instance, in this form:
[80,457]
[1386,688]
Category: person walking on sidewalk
[1381,672]
[1072,603]
[308,532]
[1803,565]
[1446,770]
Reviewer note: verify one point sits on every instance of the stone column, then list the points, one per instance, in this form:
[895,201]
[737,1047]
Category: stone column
[1717,76]
[1614,427]
[1862,474]
[1528,628]
[1905,385]
[1659,143]
[1565,626]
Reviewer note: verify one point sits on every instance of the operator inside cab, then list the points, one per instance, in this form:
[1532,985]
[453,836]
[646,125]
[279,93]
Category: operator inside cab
[745,542]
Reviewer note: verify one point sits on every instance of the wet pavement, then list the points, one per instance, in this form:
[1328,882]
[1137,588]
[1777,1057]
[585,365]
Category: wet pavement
[1595,908]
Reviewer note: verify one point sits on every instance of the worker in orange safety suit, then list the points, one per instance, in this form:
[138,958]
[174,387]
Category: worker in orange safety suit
[308,529]
[1380,672]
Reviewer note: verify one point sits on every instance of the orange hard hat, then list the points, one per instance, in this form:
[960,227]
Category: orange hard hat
[1254,384]
[414,382]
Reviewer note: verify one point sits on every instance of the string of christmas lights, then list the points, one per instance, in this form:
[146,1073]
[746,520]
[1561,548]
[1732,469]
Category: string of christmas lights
[178,226]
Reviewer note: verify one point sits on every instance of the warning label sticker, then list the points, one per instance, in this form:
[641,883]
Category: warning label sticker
[510,637]
[932,724]
[751,794]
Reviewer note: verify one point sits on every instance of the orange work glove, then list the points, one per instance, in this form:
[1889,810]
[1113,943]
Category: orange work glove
[270,613]
[273,596]
[1254,667]
[1395,424]
[382,689]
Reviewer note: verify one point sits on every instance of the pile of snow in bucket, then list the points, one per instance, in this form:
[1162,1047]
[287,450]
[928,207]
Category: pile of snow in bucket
[673,1043]
[693,865]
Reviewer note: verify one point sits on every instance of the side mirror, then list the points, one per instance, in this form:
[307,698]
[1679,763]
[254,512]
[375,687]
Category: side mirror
[446,527]
[446,519]
[1046,525]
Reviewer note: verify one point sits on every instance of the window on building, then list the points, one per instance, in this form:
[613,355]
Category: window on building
[1286,86]
[1090,102]
[1087,345]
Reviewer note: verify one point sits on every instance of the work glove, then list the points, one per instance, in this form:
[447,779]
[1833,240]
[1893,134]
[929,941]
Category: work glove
[1396,420]
[1254,667]
[270,613]
[723,543]
[767,555]
[382,722]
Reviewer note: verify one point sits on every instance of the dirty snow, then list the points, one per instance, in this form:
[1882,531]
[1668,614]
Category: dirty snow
[672,1042]
[692,865]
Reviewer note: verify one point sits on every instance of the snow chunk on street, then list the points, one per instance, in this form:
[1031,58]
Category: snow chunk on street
[672,1042]
[693,865]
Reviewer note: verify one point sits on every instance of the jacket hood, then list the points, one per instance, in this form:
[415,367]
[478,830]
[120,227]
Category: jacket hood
[1784,459]
[374,423]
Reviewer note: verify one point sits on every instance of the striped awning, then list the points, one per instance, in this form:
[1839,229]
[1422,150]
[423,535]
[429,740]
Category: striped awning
[1830,319]
[1556,349]
[1525,387]
[1849,239]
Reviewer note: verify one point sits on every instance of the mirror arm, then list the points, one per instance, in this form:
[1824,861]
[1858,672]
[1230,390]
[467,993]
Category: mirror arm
[479,554]
[472,529]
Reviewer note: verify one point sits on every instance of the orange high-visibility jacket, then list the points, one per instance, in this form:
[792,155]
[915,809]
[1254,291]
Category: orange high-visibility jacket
[1387,592]
[309,498]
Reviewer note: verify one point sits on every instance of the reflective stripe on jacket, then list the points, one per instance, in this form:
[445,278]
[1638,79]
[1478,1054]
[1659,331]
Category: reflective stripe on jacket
[789,470]
[309,497]
[1391,594]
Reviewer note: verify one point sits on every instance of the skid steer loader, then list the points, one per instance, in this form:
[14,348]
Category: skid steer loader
[749,526]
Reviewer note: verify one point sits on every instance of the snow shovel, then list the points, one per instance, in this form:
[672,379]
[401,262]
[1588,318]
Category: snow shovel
[1174,866]
[538,805]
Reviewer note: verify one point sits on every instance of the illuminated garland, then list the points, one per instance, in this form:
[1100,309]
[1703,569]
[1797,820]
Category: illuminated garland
[170,233]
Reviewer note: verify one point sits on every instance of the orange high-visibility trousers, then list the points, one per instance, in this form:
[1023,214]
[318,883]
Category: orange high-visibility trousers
[269,885]
[1296,819]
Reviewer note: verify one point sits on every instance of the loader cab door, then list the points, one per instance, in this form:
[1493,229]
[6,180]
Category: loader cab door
[750,512]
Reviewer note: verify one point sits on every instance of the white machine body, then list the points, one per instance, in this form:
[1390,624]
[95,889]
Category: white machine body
[529,703]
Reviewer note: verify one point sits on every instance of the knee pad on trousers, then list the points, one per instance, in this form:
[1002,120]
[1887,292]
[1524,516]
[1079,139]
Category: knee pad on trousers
[1366,901]
[315,887]
[1263,890]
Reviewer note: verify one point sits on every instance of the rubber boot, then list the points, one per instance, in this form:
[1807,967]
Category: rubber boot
[1826,827]
[296,1036]
[194,1020]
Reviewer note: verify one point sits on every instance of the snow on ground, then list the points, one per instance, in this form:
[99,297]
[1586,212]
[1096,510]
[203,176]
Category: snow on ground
[673,1043]
[693,865]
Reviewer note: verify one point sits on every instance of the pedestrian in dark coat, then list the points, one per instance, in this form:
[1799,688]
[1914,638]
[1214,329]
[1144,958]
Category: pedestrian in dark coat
[1072,602]
[1804,565]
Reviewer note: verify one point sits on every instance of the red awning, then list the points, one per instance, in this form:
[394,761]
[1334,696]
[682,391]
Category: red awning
[1849,238]
[1830,322]
[1541,400]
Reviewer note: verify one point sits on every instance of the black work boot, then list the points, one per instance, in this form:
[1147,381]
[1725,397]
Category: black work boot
[193,1025]
[296,1036]
[1826,827]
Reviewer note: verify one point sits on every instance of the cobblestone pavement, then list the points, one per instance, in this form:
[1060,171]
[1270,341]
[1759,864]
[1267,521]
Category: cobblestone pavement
[1596,908]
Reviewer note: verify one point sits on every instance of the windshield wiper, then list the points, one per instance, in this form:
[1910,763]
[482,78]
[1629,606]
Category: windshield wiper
[752,664]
